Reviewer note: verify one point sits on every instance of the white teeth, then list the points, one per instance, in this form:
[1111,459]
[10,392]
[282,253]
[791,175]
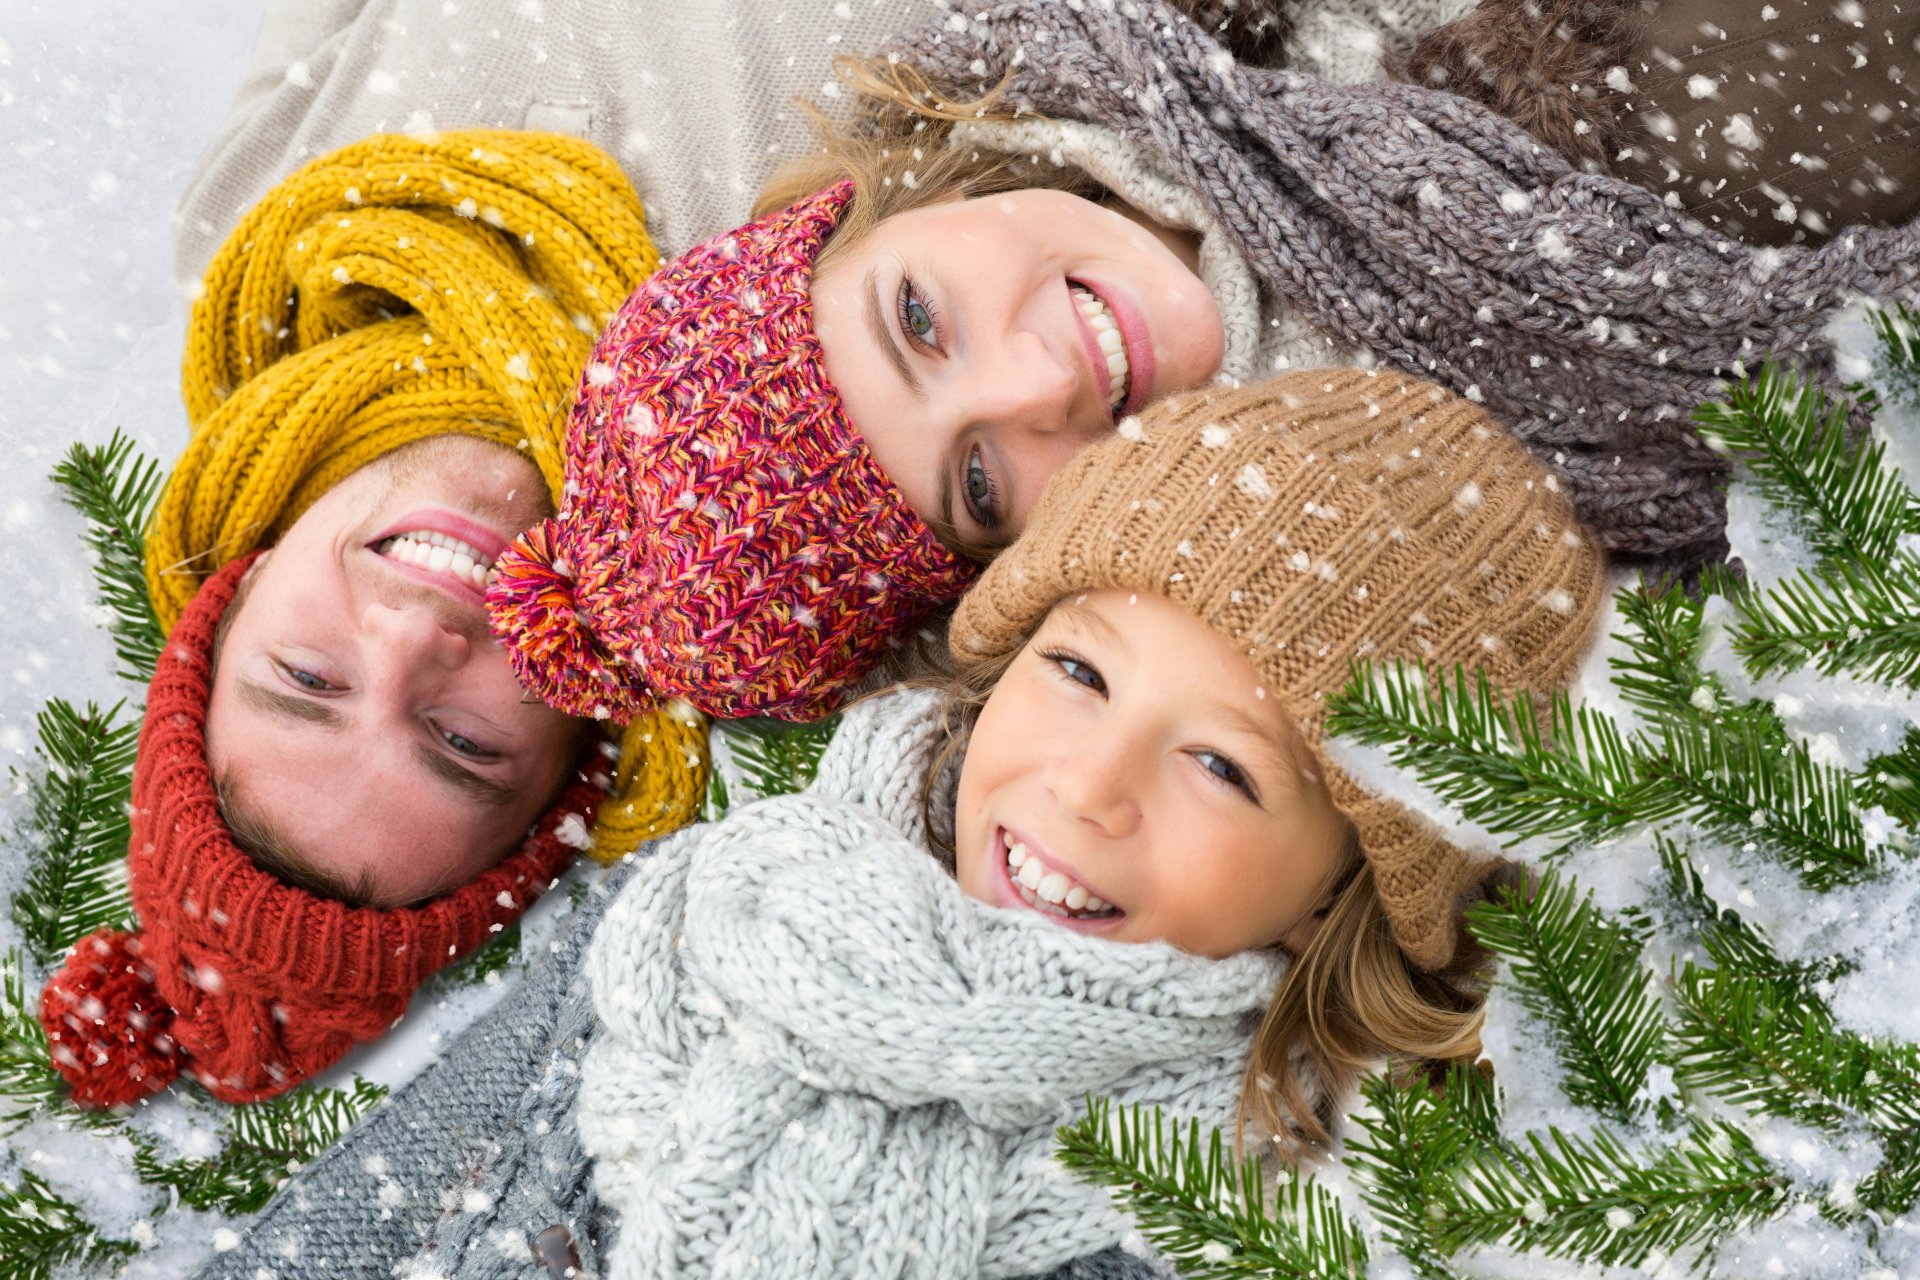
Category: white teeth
[1053,887]
[1106,331]
[1076,898]
[1097,904]
[1031,875]
[1017,856]
[1049,891]
[440,553]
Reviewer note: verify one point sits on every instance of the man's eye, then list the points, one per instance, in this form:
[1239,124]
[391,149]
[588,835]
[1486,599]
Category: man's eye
[306,679]
[464,745]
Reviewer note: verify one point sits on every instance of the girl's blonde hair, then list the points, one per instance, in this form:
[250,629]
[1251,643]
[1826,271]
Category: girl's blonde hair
[1350,1000]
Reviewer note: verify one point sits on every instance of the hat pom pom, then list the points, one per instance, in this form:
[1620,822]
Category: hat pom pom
[108,1029]
[534,604]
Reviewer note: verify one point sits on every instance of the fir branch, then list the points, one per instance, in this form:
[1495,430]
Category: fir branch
[1893,1188]
[1899,356]
[1892,781]
[1734,945]
[40,1233]
[1581,974]
[1659,671]
[1206,1211]
[115,487]
[28,1082]
[77,828]
[1744,784]
[1769,1044]
[1793,438]
[261,1146]
[1590,1199]
[1487,753]
[1843,617]
[775,757]
[1407,1149]
[495,955]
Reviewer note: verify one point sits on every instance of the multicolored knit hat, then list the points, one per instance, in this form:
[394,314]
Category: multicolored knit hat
[1313,519]
[249,984]
[725,537]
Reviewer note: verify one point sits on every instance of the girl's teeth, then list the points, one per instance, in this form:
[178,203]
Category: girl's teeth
[1031,875]
[1076,898]
[1017,856]
[1052,892]
[1053,887]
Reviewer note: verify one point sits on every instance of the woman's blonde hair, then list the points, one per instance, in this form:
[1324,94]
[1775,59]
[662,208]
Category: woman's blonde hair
[1350,1000]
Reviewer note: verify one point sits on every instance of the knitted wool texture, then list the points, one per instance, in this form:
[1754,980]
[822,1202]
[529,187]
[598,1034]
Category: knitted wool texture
[819,1056]
[248,984]
[400,288]
[726,536]
[1439,237]
[1314,519]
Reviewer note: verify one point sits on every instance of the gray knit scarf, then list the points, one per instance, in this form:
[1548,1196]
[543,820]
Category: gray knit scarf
[818,1057]
[1419,226]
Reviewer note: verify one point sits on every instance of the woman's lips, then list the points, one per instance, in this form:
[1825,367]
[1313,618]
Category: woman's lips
[1139,344]
[1096,358]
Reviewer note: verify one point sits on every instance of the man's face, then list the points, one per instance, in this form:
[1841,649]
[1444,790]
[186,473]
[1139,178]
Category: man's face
[360,708]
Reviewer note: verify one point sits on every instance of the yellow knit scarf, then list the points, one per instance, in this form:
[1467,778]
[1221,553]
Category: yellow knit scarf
[396,289]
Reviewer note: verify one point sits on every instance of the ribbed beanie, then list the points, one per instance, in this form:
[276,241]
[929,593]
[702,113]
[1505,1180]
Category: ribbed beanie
[245,982]
[726,537]
[403,287]
[1314,519]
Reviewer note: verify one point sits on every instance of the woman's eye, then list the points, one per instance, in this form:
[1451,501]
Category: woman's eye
[982,495]
[1227,771]
[1077,671]
[917,320]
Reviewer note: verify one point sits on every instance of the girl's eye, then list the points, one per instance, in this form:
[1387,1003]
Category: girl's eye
[917,318]
[307,680]
[1227,771]
[464,745]
[1074,669]
[980,493]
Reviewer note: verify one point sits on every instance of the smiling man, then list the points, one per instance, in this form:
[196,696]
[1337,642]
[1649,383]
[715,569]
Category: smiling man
[366,736]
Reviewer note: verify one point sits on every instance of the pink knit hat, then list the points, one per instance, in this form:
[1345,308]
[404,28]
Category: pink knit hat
[726,537]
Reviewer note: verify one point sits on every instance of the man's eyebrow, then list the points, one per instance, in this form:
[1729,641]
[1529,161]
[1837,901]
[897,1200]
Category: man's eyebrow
[883,334]
[463,779]
[287,706]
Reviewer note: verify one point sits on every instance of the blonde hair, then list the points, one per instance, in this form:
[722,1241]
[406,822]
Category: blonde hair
[1350,999]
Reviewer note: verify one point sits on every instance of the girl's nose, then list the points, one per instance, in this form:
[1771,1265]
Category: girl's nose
[1095,780]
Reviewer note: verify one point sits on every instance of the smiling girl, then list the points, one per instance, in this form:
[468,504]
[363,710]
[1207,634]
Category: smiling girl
[825,1050]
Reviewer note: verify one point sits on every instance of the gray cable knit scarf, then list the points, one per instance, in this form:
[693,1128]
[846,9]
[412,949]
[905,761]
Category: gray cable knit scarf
[1419,226]
[819,1057]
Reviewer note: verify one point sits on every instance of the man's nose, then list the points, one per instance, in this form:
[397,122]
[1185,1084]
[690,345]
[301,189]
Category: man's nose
[415,635]
[1096,779]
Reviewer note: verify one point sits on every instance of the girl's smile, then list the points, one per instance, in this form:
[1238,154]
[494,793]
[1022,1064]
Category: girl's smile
[1031,877]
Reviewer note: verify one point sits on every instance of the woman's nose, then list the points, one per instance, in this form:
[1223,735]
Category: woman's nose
[1029,385]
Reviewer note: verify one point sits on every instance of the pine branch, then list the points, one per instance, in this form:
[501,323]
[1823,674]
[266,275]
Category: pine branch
[115,488]
[1893,1189]
[28,1082]
[1487,753]
[1892,781]
[775,757]
[41,1233]
[1740,782]
[1793,438]
[1734,945]
[1843,617]
[495,955]
[261,1146]
[1206,1211]
[77,828]
[1407,1150]
[1590,1199]
[1899,333]
[1580,973]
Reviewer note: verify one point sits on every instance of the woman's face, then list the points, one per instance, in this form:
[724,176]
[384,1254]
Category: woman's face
[980,344]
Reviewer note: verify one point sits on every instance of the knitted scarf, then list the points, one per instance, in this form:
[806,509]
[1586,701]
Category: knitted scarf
[1420,227]
[818,1056]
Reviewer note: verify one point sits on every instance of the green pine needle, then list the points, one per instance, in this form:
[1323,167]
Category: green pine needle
[76,829]
[777,758]
[1793,438]
[1892,781]
[1899,355]
[115,487]
[261,1146]
[1487,753]
[1843,617]
[1406,1150]
[1206,1211]
[1592,1200]
[496,955]
[1580,973]
[41,1233]
[1742,783]
[28,1082]
[1735,946]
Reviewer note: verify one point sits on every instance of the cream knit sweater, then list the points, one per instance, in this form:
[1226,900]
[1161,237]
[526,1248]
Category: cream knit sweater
[695,98]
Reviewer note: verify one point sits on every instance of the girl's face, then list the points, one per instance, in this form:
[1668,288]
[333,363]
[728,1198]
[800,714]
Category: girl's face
[980,344]
[1130,777]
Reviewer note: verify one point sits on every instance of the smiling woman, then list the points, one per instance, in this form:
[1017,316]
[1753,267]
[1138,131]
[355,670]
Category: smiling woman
[352,653]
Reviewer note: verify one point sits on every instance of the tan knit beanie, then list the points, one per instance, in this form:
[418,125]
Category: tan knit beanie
[1312,519]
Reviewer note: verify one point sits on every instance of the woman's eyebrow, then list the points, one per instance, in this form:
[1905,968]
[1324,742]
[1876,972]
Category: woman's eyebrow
[883,334]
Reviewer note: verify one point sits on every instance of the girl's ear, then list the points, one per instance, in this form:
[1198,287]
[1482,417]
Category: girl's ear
[1296,940]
